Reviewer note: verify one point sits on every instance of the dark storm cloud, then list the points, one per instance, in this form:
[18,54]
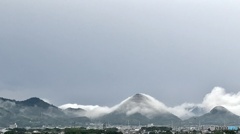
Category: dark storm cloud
[100,52]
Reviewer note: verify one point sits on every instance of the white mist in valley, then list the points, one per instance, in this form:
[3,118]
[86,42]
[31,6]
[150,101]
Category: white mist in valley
[91,111]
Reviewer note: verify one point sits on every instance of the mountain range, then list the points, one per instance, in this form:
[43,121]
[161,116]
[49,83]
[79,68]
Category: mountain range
[137,109]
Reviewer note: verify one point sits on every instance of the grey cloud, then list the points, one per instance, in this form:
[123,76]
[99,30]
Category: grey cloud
[99,52]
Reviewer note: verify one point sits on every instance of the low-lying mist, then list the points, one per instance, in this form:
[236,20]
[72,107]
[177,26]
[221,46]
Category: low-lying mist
[217,97]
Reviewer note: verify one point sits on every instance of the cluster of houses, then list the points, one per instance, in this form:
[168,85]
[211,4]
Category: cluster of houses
[180,130]
[152,129]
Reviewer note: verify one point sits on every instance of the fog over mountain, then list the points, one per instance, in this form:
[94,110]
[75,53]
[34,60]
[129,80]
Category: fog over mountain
[141,103]
[219,115]
[137,109]
[217,107]
[150,106]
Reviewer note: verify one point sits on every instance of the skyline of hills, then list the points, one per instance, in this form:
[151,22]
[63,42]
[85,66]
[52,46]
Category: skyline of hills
[147,101]
[137,109]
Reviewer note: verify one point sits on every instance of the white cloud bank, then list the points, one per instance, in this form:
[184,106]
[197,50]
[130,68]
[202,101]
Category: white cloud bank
[217,97]
[92,111]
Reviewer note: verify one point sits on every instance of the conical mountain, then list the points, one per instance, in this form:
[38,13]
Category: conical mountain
[221,111]
[140,108]
[143,104]
[219,115]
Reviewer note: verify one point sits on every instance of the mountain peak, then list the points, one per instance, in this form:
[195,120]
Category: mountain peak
[143,104]
[34,101]
[139,97]
[219,109]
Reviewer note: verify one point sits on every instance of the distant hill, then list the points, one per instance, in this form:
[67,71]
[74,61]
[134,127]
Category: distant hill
[33,112]
[219,115]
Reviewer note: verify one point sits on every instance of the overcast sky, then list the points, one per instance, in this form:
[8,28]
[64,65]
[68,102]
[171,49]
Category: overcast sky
[102,51]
